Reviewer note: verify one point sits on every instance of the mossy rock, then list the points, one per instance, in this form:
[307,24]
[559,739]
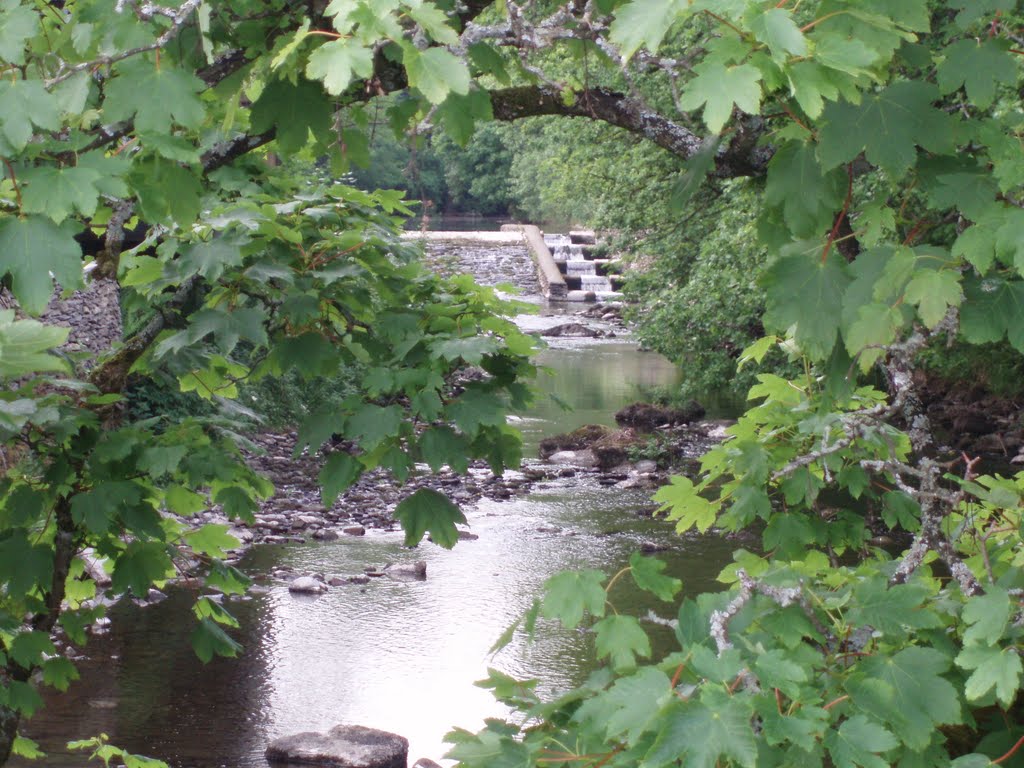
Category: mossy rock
[648,416]
[577,440]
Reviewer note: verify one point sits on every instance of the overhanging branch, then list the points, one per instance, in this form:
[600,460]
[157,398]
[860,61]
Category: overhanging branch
[740,157]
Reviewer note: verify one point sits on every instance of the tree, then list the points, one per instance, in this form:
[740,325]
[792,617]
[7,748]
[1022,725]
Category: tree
[887,136]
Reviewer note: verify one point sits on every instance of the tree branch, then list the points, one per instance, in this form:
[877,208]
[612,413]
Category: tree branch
[740,157]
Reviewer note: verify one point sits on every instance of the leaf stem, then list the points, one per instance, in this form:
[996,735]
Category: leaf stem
[14,180]
[816,22]
[1011,753]
[725,21]
[842,214]
[832,703]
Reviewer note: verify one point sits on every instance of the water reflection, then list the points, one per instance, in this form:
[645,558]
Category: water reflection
[392,655]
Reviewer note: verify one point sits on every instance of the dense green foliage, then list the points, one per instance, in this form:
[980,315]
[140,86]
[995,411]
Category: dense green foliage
[887,136]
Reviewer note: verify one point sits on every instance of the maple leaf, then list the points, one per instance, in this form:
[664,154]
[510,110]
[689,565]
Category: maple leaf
[157,97]
[31,250]
[718,88]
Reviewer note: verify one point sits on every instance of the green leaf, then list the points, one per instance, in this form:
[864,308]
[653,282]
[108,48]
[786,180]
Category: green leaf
[876,326]
[434,22]
[156,96]
[140,565]
[621,639]
[808,195]
[435,73]
[428,510]
[159,460]
[209,640]
[293,110]
[776,29]
[933,292]
[471,349]
[642,24]
[988,616]
[28,648]
[210,258]
[991,309]
[635,702]
[820,285]
[24,103]
[979,66]
[682,503]
[23,565]
[705,735]
[184,502]
[647,573]
[167,192]
[858,742]
[811,84]
[980,10]
[339,472]
[994,668]
[475,409]
[697,168]
[31,249]
[213,540]
[718,88]
[460,114]
[887,126]
[59,192]
[59,673]
[26,748]
[892,610]
[923,699]
[25,346]
[372,424]
[19,24]
[441,446]
[569,594]
[776,669]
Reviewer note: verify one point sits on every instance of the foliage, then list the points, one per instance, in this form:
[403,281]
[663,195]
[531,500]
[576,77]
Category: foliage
[235,273]
[150,114]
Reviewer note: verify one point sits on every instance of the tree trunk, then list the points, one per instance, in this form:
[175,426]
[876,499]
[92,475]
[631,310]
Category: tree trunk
[9,720]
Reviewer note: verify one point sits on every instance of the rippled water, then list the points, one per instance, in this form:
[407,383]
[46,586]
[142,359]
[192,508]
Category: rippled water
[393,655]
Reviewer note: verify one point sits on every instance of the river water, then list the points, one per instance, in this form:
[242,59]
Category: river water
[402,656]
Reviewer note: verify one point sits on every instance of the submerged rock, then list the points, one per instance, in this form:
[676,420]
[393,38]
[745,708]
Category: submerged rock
[344,746]
[414,571]
[577,330]
[307,585]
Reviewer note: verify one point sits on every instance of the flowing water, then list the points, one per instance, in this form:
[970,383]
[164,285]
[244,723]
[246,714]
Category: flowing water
[401,656]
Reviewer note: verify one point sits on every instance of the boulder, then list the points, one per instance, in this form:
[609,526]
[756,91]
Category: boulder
[354,530]
[307,585]
[575,330]
[425,762]
[584,458]
[344,746]
[583,437]
[414,571]
[648,417]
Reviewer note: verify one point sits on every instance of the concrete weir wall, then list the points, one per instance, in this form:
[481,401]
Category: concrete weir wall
[550,277]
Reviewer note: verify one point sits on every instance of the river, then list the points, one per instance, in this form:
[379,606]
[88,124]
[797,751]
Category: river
[401,656]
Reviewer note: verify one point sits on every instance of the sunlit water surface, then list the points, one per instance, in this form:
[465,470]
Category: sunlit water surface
[402,656]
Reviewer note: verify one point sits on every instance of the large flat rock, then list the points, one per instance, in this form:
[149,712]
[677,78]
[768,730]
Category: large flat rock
[344,746]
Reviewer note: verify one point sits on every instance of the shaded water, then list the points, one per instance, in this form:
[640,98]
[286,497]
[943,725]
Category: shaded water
[392,655]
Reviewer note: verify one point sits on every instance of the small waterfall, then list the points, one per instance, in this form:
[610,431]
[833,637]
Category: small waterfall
[580,267]
[571,258]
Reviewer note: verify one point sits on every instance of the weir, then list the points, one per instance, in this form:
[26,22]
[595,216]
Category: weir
[563,266]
